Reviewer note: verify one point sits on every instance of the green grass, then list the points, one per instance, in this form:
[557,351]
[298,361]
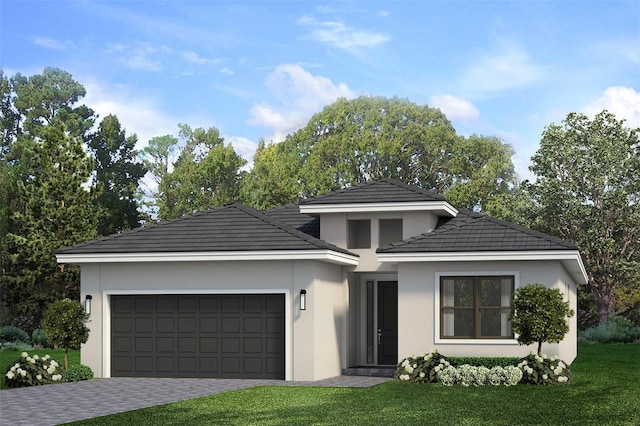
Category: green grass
[7,358]
[605,390]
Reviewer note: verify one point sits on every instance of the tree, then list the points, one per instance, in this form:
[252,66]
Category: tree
[587,190]
[117,175]
[353,141]
[65,325]
[50,203]
[539,315]
[158,157]
[206,175]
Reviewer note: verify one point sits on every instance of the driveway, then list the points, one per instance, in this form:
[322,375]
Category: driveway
[67,402]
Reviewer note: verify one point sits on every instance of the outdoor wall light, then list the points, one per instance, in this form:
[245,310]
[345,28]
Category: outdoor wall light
[303,300]
[87,304]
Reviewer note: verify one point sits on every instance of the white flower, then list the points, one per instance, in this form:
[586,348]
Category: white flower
[545,376]
[10,375]
[422,375]
[51,369]
[557,371]
[404,377]
[54,363]
[415,365]
[24,354]
[56,377]
[23,373]
[561,364]
[562,379]
[46,357]
[409,369]
[39,377]
[36,357]
[31,361]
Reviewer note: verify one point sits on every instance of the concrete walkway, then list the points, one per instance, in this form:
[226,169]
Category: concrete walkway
[67,402]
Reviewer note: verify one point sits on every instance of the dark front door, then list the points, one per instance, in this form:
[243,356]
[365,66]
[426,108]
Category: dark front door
[387,322]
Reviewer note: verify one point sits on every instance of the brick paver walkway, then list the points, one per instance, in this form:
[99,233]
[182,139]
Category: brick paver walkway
[67,402]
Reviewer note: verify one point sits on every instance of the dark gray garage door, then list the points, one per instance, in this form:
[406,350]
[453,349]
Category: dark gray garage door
[221,336]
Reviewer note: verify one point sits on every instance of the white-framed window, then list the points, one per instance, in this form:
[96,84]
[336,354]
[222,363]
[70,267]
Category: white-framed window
[474,307]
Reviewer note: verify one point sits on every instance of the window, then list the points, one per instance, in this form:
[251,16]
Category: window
[476,307]
[390,231]
[359,234]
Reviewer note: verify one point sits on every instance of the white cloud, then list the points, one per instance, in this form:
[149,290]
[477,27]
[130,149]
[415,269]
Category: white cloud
[623,102]
[226,71]
[135,113]
[49,43]
[337,34]
[510,67]
[455,108]
[141,56]
[299,95]
[246,148]
[194,58]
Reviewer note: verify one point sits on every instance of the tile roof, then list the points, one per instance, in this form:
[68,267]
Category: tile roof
[290,214]
[378,191]
[231,228]
[473,232]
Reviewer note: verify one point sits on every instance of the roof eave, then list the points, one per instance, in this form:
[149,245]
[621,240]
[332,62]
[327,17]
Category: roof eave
[442,208]
[570,259]
[325,255]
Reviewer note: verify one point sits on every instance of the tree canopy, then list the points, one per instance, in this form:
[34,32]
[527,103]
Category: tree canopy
[367,138]
[587,190]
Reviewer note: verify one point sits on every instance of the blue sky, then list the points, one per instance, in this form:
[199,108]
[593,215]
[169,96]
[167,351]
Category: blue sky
[260,69]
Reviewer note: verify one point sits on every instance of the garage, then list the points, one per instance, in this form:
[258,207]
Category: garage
[205,336]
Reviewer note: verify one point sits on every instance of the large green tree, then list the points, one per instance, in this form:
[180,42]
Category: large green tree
[50,204]
[207,174]
[353,141]
[158,158]
[117,173]
[587,190]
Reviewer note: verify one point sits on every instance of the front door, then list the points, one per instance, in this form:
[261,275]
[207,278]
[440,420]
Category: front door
[387,322]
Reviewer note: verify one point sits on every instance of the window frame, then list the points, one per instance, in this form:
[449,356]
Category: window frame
[438,308]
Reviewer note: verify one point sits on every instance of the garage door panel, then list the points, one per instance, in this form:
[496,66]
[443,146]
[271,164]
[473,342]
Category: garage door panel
[226,336]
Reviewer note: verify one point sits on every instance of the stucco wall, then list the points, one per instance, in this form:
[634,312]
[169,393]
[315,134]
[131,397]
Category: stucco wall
[307,341]
[417,325]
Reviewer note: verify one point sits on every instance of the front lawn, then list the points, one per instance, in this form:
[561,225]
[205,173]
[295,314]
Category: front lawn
[7,358]
[605,390]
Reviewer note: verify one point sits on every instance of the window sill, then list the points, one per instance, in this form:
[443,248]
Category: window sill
[511,342]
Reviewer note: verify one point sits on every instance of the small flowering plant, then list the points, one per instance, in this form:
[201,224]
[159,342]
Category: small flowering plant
[422,368]
[33,371]
[468,375]
[544,370]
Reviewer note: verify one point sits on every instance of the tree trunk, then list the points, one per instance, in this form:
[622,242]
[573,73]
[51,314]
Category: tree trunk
[604,297]
[540,347]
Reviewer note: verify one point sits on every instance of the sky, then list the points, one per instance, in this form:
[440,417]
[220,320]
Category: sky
[261,69]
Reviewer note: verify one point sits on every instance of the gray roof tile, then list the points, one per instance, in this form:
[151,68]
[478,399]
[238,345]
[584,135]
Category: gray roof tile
[377,191]
[231,228]
[471,232]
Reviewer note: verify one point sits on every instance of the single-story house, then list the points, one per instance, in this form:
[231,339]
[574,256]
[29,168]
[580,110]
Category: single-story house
[363,276]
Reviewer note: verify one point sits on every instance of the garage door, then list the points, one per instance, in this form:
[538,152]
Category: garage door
[220,336]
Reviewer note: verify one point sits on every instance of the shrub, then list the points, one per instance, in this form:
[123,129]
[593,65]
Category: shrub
[12,333]
[469,375]
[488,362]
[76,373]
[39,338]
[33,371]
[16,347]
[65,324]
[617,329]
[423,368]
[542,370]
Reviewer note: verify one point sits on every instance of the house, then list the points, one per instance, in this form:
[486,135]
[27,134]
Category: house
[359,277]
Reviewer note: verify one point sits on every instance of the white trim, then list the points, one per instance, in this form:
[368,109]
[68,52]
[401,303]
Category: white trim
[436,305]
[320,254]
[442,207]
[571,259]
[106,320]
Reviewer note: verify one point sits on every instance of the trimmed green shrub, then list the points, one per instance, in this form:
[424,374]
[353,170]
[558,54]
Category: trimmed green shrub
[75,373]
[542,370]
[39,338]
[15,347]
[422,368]
[617,329]
[488,362]
[33,371]
[12,333]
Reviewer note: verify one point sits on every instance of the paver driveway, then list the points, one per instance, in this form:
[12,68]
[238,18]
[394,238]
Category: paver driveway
[66,402]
